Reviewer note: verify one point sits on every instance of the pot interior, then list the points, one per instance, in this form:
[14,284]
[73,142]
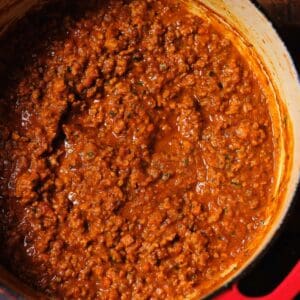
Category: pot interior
[254,36]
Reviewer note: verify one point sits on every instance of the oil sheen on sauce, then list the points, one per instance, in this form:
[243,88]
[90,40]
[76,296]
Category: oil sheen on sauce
[136,152]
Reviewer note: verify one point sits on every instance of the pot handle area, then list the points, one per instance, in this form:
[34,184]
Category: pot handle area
[281,12]
[288,289]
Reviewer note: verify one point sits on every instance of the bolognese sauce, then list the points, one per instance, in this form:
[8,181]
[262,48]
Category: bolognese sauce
[136,152]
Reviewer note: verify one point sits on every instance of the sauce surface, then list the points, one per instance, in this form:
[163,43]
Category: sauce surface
[136,152]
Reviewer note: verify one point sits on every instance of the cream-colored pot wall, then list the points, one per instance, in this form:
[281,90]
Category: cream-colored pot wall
[259,41]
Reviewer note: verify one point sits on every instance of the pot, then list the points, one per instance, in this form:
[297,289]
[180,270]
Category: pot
[254,35]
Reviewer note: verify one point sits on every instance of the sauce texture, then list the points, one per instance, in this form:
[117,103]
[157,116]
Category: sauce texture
[136,152]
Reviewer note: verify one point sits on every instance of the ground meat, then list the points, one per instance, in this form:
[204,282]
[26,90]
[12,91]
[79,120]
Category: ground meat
[136,152]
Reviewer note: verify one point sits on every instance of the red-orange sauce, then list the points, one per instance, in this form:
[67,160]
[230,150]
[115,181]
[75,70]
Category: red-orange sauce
[136,152]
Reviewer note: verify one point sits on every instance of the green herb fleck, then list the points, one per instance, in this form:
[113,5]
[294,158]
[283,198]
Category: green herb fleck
[90,154]
[163,67]
[165,176]
[236,183]
[186,162]
[136,57]
[109,149]
[141,83]
[192,277]
[112,113]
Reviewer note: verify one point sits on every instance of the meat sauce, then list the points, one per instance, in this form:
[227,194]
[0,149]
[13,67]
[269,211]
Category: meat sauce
[136,152]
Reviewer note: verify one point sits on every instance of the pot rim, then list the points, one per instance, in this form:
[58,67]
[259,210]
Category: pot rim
[287,207]
[245,13]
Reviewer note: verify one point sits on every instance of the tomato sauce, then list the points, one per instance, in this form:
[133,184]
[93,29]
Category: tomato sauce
[136,154]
